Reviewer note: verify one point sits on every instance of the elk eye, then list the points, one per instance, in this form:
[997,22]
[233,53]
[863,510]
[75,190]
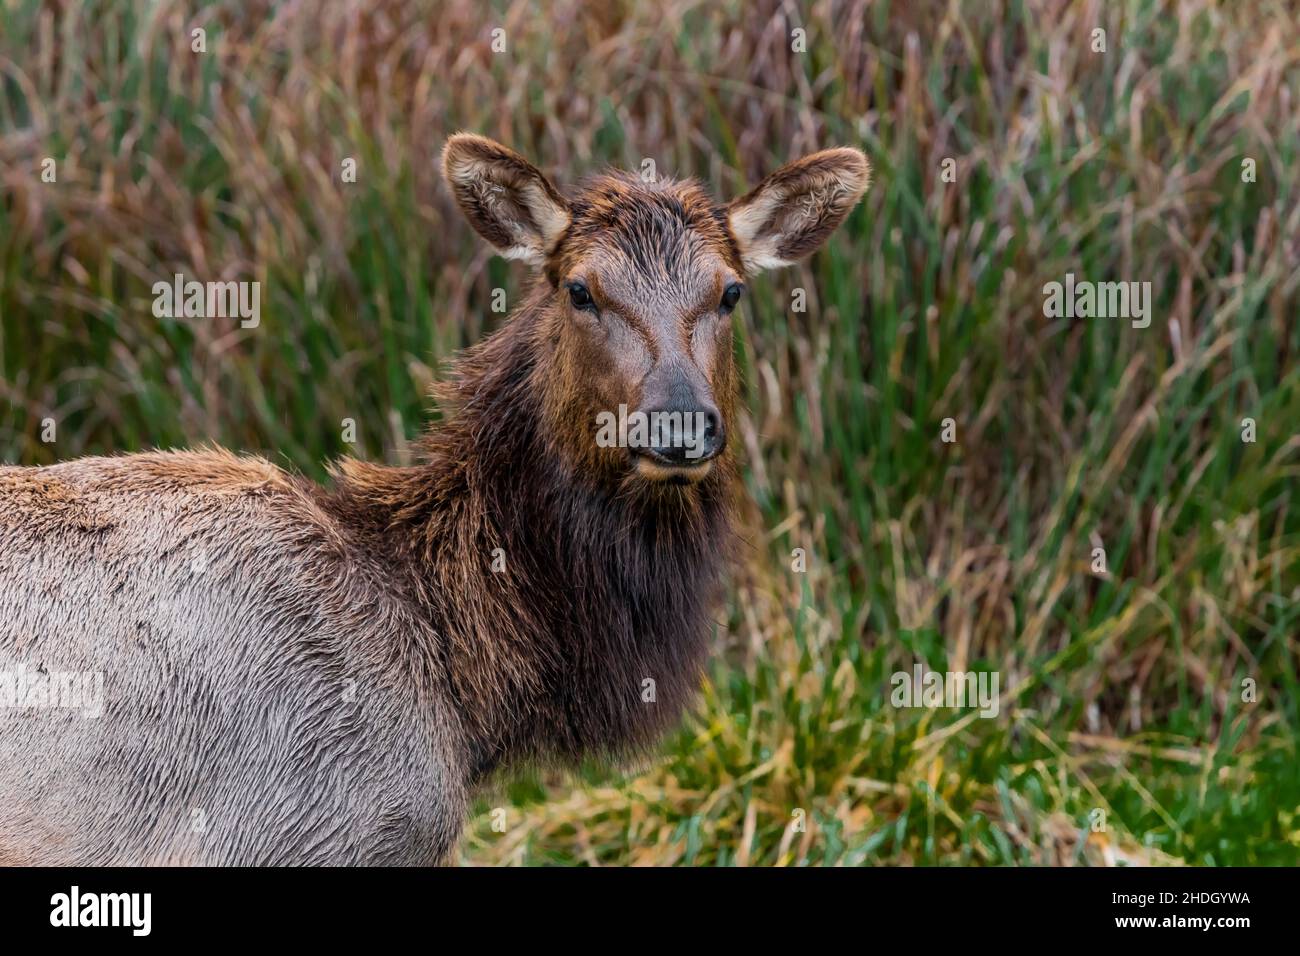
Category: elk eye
[581,298]
[731,296]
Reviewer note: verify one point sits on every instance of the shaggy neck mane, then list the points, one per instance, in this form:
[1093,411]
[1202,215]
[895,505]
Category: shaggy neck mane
[607,585]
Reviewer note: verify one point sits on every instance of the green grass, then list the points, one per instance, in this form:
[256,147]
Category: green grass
[1122,692]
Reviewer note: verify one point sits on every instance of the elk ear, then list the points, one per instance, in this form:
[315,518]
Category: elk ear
[505,198]
[791,213]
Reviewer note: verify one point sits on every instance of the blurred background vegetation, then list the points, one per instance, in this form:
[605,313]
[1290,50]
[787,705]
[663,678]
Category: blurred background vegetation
[1122,692]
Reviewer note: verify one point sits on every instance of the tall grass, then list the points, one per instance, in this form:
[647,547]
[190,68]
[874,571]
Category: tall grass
[1122,691]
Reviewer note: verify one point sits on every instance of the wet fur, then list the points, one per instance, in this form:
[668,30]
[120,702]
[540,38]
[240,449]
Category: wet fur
[321,675]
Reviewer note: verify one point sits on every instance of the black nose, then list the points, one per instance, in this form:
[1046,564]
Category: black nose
[685,433]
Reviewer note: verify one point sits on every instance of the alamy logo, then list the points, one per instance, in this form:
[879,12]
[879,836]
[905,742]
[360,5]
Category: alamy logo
[687,430]
[39,689]
[923,688]
[1099,300]
[179,299]
[75,908]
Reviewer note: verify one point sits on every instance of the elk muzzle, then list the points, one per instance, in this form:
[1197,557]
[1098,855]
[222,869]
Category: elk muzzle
[684,432]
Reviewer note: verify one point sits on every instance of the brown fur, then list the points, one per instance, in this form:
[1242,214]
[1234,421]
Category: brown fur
[323,675]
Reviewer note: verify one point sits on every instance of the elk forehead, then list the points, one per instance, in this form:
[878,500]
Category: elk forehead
[656,255]
[657,233]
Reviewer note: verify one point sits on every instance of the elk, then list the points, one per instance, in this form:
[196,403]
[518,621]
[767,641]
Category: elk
[293,673]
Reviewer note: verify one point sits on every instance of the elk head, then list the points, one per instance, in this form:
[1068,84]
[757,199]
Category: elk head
[632,326]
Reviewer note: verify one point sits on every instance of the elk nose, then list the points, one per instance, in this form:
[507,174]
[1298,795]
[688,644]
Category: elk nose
[686,433]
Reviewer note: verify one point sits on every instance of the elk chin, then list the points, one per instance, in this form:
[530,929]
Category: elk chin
[673,474]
